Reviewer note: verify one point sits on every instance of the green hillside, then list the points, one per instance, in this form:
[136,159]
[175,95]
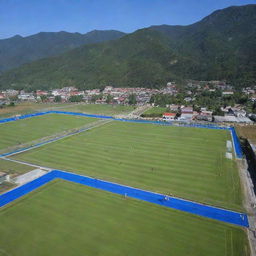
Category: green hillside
[221,46]
[19,50]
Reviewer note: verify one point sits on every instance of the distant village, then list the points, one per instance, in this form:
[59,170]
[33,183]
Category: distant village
[187,108]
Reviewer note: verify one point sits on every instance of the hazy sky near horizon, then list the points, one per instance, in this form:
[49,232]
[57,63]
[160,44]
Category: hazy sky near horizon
[27,17]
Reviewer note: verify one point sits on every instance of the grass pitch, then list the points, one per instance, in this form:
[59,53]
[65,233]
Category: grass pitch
[68,219]
[26,130]
[184,162]
[100,109]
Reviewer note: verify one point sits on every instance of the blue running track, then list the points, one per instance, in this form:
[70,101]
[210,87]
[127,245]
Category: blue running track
[227,216]
[236,142]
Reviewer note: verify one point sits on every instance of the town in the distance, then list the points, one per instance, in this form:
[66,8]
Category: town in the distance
[198,101]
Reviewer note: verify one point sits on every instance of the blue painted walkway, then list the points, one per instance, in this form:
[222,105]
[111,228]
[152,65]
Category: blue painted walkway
[227,216]
[237,146]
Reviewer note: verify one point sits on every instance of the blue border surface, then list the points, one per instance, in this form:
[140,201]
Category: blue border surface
[202,210]
[236,142]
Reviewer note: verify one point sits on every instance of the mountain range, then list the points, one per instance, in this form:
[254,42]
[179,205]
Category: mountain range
[222,46]
[19,50]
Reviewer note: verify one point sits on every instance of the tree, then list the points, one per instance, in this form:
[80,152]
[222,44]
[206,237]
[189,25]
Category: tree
[132,99]
[218,112]
[96,97]
[57,98]
[76,98]
[43,98]
[109,98]
[254,107]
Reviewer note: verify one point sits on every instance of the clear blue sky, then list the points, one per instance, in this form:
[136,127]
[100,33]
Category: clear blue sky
[26,17]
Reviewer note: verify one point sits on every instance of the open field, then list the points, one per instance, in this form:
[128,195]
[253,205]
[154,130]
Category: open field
[14,168]
[101,109]
[248,132]
[27,108]
[155,112]
[22,131]
[4,187]
[63,218]
[22,108]
[184,162]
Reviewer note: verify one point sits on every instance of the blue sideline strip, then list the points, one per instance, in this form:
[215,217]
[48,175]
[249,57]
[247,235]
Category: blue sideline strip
[236,141]
[18,192]
[223,215]
[10,119]
[238,149]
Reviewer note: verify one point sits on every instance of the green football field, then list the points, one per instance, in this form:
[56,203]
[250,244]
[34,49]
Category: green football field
[101,109]
[184,162]
[68,219]
[26,130]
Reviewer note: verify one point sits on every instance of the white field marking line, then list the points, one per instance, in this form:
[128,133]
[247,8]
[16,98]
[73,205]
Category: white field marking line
[26,163]
[99,123]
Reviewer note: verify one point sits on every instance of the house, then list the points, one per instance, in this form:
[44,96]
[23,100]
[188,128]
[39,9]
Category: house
[186,113]
[232,119]
[56,92]
[169,116]
[2,96]
[187,110]
[226,110]
[41,93]
[239,112]
[204,115]
[100,101]
[253,98]
[108,89]
[11,93]
[173,107]
[227,93]
[26,96]
[188,99]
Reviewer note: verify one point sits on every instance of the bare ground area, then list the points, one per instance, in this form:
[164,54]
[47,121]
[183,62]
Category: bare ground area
[249,203]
